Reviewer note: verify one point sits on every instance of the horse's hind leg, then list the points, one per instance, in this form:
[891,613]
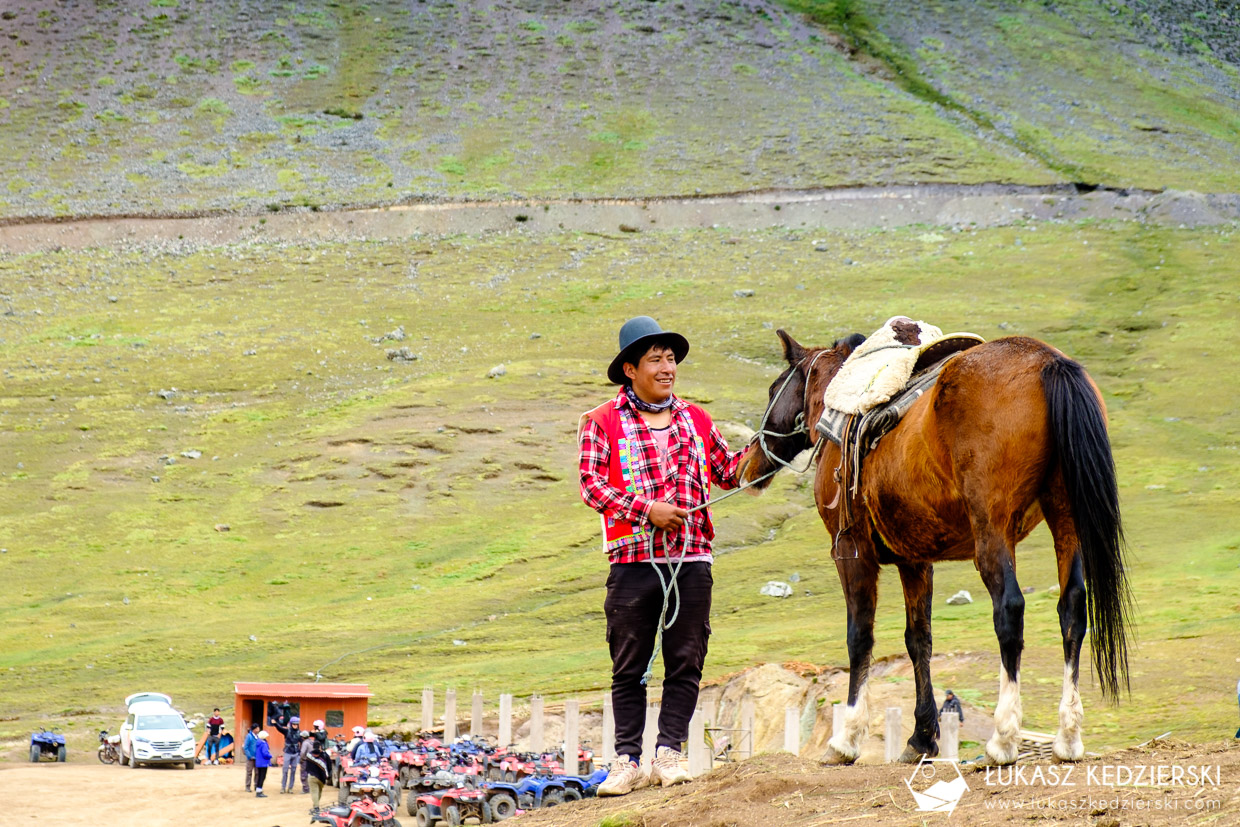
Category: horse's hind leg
[997,565]
[918,582]
[1072,621]
[859,577]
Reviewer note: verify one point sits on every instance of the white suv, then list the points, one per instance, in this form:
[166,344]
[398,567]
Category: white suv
[155,733]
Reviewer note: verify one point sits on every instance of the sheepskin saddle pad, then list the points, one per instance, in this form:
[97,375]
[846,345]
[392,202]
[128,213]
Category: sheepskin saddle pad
[881,368]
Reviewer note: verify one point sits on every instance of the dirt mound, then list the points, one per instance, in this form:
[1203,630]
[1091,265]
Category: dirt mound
[781,789]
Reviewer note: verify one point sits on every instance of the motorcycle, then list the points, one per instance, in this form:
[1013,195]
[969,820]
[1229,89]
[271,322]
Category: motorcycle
[109,748]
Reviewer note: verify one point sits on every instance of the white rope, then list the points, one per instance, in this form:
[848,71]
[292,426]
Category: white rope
[670,585]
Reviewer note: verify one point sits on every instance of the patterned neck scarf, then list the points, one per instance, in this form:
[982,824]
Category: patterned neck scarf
[636,402]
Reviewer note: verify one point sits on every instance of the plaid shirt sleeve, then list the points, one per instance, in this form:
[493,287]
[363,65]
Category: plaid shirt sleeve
[596,488]
[724,464]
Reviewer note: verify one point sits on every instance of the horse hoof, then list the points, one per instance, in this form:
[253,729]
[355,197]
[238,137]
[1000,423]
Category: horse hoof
[912,755]
[1065,753]
[834,758]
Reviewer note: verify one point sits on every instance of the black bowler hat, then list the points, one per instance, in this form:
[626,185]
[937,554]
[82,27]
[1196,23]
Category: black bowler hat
[640,333]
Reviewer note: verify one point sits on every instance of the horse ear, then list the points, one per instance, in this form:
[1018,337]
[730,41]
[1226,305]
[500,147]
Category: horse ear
[793,352]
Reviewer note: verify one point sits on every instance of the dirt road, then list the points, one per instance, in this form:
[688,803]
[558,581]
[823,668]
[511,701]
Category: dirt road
[92,794]
[983,205]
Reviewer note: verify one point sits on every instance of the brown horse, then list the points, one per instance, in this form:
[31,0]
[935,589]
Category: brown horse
[1013,433]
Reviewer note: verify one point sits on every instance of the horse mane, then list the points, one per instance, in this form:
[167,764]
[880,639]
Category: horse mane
[853,340]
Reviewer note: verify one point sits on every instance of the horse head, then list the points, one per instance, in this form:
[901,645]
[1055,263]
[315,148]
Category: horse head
[794,402]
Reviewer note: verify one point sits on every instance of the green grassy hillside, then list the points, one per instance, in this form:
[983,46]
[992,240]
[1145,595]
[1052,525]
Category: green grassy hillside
[184,105]
[426,516]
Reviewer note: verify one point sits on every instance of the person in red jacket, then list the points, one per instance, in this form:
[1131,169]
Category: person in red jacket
[647,461]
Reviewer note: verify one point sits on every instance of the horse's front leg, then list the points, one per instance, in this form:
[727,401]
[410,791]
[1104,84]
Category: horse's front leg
[997,565]
[918,582]
[859,578]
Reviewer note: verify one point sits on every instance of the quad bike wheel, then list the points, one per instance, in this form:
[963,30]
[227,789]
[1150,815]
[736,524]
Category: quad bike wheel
[510,776]
[572,794]
[553,798]
[61,754]
[342,797]
[452,815]
[34,753]
[411,805]
[503,806]
[486,813]
[423,818]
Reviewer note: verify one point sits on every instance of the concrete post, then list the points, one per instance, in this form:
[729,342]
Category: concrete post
[475,715]
[505,720]
[536,724]
[697,743]
[949,737]
[449,716]
[609,730]
[792,730]
[650,735]
[747,745]
[894,739]
[572,720]
[428,709]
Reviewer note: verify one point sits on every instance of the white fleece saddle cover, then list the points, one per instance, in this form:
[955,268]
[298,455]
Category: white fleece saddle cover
[880,368]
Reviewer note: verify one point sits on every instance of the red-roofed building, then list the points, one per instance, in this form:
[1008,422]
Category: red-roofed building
[341,706]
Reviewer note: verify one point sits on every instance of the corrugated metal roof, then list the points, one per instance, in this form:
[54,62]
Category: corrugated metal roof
[305,690]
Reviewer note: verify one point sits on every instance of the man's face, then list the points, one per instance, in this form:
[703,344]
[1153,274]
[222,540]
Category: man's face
[654,374]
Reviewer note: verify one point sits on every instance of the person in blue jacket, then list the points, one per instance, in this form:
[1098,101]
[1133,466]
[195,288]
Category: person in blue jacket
[249,747]
[262,760]
[369,750]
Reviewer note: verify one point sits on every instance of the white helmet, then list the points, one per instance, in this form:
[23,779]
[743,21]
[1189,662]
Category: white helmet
[369,737]
[358,730]
[262,736]
[318,724]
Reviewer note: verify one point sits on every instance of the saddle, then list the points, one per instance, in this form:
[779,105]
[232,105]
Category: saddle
[858,431]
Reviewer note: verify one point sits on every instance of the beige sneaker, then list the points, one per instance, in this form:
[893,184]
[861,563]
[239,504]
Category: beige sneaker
[623,776]
[669,767]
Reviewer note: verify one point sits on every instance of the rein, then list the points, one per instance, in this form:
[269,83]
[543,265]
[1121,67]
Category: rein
[670,585]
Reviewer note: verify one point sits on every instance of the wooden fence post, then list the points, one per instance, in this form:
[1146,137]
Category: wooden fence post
[895,735]
[536,724]
[697,743]
[428,709]
[475,715]
[949,736]
[792,730]
[650,735]
[572,720]
[609,730]
[449,716]
[505,720]
[747,745]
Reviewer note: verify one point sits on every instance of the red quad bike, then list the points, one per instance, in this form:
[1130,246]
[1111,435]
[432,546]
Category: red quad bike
[451,806]
[363,812]
[377,781]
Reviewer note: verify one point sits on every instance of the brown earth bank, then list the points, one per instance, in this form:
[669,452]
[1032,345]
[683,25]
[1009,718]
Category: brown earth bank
[770,789]
[779,789]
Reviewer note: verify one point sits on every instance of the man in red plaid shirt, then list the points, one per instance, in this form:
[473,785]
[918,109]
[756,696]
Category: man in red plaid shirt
[647,461]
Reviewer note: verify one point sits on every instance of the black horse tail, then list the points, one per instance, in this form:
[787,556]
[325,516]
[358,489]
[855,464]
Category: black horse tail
[1079,430]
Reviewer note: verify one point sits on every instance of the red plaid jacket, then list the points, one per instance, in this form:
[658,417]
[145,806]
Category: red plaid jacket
[685,486]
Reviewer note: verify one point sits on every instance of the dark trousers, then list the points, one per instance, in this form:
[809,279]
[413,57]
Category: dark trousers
[633,605]
[260,775]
